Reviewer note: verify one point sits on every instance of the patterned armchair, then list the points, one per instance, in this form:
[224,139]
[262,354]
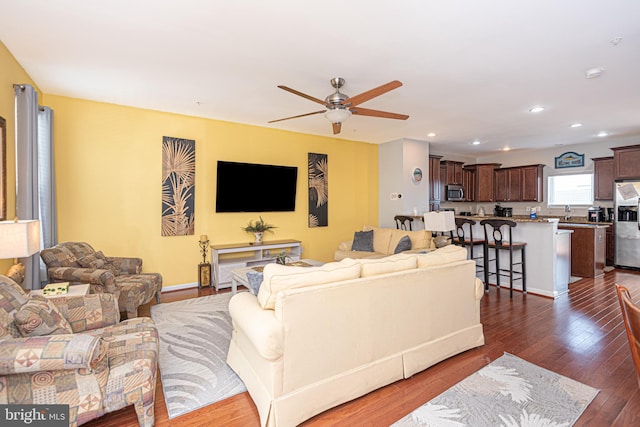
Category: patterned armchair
[73,351]
[78,262]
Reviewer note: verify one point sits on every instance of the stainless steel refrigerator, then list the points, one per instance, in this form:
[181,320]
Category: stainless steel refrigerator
[627,224]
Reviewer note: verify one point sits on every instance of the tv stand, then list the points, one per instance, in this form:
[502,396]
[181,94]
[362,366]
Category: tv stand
[228,257]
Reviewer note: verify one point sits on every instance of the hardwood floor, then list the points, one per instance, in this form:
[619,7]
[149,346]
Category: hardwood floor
[580,335]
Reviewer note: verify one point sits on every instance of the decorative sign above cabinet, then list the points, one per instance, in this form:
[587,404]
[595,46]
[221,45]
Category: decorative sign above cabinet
[569,159]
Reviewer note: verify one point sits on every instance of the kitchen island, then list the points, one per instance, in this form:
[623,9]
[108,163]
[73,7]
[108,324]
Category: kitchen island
[547,254]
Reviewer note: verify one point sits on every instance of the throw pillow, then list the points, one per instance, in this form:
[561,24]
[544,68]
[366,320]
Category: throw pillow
[96,260]
[403,245]
[363,241]
[39,316]
[255,280]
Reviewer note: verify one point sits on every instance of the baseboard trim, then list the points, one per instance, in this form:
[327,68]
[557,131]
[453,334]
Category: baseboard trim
[179,287]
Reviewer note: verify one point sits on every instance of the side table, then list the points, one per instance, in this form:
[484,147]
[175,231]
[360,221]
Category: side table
[74,291]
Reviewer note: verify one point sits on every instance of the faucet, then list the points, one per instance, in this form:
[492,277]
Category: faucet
[567,212]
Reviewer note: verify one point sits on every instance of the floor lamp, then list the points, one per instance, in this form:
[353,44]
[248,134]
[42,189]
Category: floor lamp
[19,239]
[441,221]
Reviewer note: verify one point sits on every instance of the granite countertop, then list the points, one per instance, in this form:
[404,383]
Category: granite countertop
[515,218]
[572,221]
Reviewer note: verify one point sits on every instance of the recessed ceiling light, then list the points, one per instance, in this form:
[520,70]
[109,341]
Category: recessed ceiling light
[615,41]
[431,134]
[602,134]
[506,149]
[575,125]
[536,109]
[476,142]
[593,73]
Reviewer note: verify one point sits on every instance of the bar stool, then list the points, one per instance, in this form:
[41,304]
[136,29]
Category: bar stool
[402,221]
[496,227]
[465,239]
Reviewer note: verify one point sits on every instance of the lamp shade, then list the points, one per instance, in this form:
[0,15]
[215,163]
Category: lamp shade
[19,239]
[337,115]
[440,221]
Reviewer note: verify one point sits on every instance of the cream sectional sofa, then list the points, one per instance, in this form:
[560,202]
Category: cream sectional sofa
[385,241]
[316,337]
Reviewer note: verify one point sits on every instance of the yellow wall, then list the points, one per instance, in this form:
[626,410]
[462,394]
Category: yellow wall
[108,161]
[11,73]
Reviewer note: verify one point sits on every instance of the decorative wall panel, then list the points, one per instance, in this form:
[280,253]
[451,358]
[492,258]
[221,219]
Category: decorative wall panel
[178,186]
[318,190]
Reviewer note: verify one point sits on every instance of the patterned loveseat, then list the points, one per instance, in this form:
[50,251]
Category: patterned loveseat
[78,262]
[73,351]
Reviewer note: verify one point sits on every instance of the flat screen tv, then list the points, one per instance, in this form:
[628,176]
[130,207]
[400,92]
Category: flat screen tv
[250,187]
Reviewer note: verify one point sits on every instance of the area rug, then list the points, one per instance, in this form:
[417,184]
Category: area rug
[508,392]
[194,339]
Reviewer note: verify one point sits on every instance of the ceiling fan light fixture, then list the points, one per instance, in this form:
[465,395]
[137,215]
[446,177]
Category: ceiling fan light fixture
[337,115]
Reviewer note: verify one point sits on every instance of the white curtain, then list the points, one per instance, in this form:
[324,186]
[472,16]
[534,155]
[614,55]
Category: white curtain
[35,194]
[46,186]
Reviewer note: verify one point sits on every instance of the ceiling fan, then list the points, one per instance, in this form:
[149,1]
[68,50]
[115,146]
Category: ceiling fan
[339,106]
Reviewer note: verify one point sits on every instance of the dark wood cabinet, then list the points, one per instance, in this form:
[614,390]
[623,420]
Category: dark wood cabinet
[588,250]
[434,180]
[483,181]
[501,184]
[611,245]
[519,184]
[603,178]
[532,185]
[454,172]
[626,161]
[469,183]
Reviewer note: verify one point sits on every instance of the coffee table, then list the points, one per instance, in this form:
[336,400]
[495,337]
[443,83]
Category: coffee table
[239,275]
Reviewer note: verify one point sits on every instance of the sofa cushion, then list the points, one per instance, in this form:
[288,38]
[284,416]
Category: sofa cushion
[97,260]
[362,241]
[278,277]
[389,264]
[39,316]
[403,245]
[444,255]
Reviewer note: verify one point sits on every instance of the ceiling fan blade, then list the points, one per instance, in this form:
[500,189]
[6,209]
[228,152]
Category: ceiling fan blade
[376,113]
[304,95]
[365,96]
[295,117]
[336,128]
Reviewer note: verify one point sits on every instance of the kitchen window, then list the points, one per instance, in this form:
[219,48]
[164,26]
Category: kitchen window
[574,189]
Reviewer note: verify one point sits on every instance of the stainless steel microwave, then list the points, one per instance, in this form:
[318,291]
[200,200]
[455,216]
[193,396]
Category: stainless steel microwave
[455,193]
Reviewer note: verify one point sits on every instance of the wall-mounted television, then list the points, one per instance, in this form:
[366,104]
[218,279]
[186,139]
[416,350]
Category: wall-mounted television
[251,187]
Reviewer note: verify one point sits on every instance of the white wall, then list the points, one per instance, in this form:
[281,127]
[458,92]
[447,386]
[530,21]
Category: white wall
[396,161]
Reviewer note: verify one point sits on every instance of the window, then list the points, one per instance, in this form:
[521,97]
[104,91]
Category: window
[574,189]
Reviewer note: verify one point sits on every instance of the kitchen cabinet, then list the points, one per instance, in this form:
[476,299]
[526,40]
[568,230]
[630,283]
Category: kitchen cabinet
[454,172]
[626,162]
[532,185]
[443,182]
[603,178]
[508,185]
[483,181]
[435,194]
[519,184]
[611,245]
[468,183]
[588,249]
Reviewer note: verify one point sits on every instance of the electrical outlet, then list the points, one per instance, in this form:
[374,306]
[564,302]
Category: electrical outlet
[396,196]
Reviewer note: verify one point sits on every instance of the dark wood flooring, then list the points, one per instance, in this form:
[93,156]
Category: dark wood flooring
[580,335]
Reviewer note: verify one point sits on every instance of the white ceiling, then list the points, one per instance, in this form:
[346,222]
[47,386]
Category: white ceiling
[470,69]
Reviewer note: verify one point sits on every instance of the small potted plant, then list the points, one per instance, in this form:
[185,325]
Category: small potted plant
[259,228]
[281,258]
